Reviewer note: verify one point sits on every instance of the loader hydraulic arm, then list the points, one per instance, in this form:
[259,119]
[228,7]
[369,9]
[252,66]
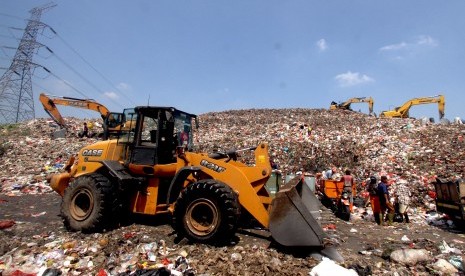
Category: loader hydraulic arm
[50,105]
[403,110]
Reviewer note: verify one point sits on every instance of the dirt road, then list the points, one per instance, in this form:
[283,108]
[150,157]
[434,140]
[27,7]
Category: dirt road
[363,244]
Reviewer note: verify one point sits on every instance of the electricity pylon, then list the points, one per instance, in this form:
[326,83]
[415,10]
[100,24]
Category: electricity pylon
[16,95]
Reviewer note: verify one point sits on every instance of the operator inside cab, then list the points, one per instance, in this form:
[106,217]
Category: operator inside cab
[184,137]
[157,134]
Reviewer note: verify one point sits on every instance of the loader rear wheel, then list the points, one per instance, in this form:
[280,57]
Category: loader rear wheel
[207,211]
[90,204]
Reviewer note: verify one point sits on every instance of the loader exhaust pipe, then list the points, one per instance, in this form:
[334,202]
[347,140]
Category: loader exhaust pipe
[294,216]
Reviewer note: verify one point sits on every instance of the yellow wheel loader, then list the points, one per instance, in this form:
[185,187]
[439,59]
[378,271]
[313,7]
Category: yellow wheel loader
[150,169]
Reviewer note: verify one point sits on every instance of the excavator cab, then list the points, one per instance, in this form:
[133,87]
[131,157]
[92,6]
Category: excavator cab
[112,125]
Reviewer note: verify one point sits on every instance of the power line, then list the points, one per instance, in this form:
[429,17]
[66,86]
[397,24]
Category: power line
[48,92]
[11,16]
[90,65]
[80,75]
[8,36]
[65,82]
[35,21]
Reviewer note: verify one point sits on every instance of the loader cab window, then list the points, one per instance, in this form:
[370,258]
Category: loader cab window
[153,139]
[183,130]
[158,133]
[166,151]
[149,132]
[129,119]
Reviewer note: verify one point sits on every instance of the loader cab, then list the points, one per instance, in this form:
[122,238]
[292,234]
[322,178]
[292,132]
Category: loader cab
[155,133]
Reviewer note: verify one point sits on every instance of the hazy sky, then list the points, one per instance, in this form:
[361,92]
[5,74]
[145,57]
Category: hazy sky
[216,55]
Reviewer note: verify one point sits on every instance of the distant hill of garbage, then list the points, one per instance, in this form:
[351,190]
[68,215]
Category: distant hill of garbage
[306,140]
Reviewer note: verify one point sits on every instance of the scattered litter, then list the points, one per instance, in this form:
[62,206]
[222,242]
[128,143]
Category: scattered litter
[6,224]
[328,267]
[38,214]
[374,146]
[405,238]
[445,267]
[410,256]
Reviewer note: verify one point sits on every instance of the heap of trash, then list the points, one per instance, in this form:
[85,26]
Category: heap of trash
[308,141]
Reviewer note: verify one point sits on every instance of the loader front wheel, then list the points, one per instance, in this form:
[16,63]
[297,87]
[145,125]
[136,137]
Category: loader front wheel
[207,211]
[90,204]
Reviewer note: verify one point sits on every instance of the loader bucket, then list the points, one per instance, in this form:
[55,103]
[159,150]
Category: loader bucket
[294,216]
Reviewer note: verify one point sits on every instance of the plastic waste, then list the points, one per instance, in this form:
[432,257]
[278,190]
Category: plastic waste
[445,248]
[445,267]
[405,238]
[410,256]
[236,257]
[328,267]
[457,262]
[52,272]
[149,272]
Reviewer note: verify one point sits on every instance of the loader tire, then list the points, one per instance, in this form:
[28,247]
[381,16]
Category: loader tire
[90,204]
[207,211]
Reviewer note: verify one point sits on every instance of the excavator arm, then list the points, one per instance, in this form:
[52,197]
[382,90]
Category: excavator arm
[50,105]
[346,104]
[51,109]
[403,110]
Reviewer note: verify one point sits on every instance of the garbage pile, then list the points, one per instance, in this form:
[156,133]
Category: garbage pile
[126,251]
[421,247]
[28,153]
[310,140]
[301,140]
[314,140]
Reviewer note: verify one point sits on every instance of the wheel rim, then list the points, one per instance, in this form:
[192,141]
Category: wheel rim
[82,204]
[202,217]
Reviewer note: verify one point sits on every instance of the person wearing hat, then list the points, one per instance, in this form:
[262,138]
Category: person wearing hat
[403,195]
[384,202]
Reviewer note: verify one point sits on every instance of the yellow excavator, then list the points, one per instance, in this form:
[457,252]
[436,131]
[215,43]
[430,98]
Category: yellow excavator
[403,110]
[151,169]
[112,120]
[346,104]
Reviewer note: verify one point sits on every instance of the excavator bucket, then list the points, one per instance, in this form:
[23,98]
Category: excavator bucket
[294,216]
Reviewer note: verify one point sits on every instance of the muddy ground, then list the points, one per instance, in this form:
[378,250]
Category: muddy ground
[363,245]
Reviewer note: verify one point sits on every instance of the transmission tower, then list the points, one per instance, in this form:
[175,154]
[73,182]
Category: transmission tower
[16,97]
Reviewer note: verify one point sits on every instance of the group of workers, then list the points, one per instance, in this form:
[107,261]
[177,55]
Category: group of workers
[381,203]
[379,198]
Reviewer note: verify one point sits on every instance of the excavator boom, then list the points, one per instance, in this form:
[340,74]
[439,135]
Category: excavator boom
[403,110]
[113,121]
[50,106]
